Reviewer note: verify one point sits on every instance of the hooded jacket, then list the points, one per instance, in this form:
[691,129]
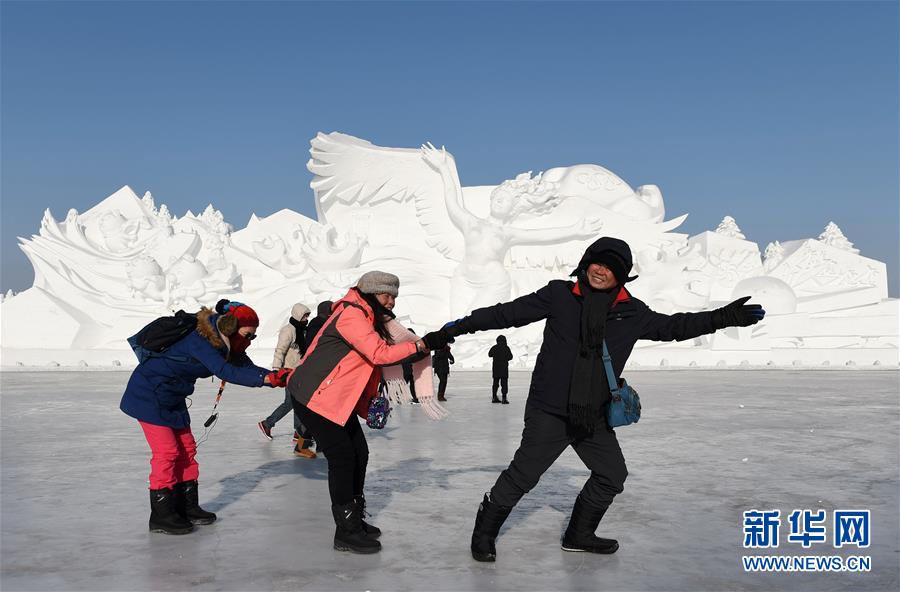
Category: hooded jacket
[323,311]
[560,304]
[340,373]
[158,387]
[500,355]
[441,360]
[287,352]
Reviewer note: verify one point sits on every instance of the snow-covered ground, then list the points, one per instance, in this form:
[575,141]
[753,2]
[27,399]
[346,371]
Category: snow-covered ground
[711,444]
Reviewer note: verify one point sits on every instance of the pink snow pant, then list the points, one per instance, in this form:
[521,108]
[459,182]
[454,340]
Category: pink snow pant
[173,455]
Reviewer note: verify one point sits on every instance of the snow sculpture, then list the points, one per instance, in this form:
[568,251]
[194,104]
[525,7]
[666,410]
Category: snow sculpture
[729,256]
[102,274]
[477,229]
[833,237]
[728,227]
[772,256]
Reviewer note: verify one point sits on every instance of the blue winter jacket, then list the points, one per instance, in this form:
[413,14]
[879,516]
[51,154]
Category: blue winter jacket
[158,387]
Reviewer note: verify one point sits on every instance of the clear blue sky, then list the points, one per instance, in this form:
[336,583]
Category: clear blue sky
[783,115]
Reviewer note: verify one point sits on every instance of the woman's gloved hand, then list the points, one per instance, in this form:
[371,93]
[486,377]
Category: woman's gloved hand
[738,314]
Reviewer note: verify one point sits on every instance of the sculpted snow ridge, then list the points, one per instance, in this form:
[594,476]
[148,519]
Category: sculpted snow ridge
[102,274]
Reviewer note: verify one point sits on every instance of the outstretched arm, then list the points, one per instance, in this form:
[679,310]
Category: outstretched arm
[517,313]
[443,163]
[586,228]
[687,325]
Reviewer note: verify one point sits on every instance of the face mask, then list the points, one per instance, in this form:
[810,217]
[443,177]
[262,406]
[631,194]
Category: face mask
[239,343]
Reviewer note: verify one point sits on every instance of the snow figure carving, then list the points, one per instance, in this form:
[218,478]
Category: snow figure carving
[833,237]
[481,231]
[729,228]
[481,277]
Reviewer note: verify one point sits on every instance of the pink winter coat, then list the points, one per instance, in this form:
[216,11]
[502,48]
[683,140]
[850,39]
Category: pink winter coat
[339,373]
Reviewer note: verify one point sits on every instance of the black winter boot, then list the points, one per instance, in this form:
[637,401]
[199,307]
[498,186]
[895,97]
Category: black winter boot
[349,534]
[188,506]
[488,521]
[579,535]
[164,517]
[373,532]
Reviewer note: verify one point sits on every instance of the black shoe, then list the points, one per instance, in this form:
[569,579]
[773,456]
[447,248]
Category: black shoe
[504,401]
[163,516]
[188,506]
[494,399]
[488,521]
[442,398]
[579,535]
[349,534]
[373,532]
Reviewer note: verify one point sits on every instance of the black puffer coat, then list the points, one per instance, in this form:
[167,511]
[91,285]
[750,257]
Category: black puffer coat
[559,302]
[441,360]
[500,355]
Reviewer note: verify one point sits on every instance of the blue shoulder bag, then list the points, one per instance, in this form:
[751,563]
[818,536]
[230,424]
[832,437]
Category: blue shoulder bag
[624,405]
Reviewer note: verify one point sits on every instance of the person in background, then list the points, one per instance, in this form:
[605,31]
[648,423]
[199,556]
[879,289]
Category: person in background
[291,348]
[323,311]
[440,361]
[410,380]
[156,397]
[500,355]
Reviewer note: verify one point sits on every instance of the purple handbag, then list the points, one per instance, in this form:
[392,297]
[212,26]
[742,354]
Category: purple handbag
[379,409]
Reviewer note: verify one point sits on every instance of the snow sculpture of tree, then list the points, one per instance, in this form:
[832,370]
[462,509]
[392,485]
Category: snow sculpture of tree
[833,237]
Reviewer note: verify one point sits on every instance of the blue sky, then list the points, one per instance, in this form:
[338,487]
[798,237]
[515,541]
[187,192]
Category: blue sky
[783,115]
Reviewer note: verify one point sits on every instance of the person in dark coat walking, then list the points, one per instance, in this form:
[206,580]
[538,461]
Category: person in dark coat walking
[569,392]
[408,377]
[500,355]
[156,395]
[323,311]
[440,362]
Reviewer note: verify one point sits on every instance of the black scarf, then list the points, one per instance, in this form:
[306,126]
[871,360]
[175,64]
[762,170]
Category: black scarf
[299,334]
[589,390]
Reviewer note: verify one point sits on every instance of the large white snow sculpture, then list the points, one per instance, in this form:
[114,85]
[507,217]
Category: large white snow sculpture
[102,274]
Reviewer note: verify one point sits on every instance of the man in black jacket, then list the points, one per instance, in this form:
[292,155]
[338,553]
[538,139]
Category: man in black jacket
[323,311]
[440,362]
[500,355]
[569,391]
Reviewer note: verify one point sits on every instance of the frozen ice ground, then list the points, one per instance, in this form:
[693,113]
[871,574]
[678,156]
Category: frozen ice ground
[74,499]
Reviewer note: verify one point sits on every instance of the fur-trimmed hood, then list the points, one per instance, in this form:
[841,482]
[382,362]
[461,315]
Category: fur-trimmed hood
[208,322]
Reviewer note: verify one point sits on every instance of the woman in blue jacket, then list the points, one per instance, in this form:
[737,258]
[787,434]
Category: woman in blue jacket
[156,396]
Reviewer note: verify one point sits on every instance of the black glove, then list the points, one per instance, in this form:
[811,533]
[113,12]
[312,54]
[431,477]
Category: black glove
[437,339]
[457,328]
[737,314]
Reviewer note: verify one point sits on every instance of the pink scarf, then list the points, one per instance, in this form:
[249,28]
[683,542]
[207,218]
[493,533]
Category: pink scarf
[397,390]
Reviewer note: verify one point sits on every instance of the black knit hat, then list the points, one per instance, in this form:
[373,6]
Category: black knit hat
[614,253]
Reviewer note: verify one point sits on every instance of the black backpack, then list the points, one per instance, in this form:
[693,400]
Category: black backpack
[154,339]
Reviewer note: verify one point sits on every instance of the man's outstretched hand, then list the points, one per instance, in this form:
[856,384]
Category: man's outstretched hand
[738,314]
[437,339]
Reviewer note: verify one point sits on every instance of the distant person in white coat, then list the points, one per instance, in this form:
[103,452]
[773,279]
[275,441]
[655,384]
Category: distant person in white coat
[289,351]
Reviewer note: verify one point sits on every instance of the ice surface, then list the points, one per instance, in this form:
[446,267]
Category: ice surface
[75,505]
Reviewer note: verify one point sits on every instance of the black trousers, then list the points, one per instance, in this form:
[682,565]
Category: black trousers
[345,449]
[544,438]
[503,382]
[442,385]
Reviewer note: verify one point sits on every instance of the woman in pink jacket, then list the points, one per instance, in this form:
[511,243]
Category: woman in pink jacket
[335,382]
